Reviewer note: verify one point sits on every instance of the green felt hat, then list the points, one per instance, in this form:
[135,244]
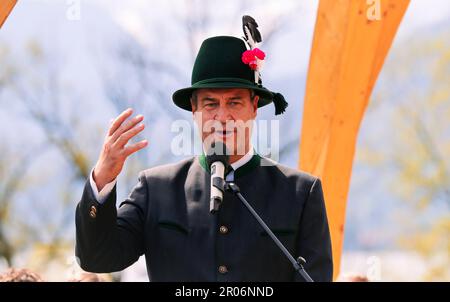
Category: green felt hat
[219,65]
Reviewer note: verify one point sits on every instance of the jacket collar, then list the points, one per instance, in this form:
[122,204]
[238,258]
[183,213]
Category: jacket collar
[243,166]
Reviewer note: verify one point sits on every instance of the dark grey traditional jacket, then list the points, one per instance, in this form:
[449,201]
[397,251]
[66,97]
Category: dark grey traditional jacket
[167,219]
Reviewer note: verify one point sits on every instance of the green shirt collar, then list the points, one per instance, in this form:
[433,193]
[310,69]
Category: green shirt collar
[253,163]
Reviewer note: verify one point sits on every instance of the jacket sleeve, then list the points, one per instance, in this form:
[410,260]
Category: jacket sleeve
[314,243]
[107,239]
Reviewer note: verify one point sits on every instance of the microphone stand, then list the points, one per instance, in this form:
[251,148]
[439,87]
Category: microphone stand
[297,264]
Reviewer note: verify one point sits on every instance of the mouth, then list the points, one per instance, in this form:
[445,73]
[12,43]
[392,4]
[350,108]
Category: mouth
[224,133]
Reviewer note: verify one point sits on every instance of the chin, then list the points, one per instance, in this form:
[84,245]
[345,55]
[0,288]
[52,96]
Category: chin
[230,141]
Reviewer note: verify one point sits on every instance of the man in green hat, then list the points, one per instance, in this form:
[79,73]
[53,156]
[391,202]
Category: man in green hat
[167,215]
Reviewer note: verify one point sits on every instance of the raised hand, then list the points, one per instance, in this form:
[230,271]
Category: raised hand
[115,150]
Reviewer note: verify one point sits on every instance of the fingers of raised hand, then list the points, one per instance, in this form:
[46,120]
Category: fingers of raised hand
[115,124]
[135,147]
[127,125]
[122,129]
[129,134]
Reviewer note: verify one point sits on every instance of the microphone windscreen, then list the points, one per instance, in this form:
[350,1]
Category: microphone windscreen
[218,151]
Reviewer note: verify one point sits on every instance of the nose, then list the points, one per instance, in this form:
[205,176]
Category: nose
[222,114]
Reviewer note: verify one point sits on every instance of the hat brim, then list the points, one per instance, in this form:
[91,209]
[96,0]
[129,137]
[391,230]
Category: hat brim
[182,97]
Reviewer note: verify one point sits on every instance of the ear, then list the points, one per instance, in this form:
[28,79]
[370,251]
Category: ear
[255,102]
[193,106]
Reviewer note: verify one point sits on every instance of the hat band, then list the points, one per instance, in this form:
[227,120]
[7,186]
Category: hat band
[221,80]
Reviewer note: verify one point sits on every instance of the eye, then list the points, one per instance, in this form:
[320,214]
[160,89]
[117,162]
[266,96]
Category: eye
[210,105]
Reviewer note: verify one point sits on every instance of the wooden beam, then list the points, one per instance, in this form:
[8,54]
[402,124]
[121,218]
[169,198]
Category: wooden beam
[348,52]
[6,7]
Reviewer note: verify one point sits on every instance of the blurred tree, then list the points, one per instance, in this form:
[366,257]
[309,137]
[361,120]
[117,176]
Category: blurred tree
[45,97]
[41,91]
[36,83]
[415,88]
[9,185]
[13,171]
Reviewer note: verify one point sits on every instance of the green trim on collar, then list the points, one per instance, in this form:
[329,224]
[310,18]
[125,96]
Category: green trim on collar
[202,161]
[253,163]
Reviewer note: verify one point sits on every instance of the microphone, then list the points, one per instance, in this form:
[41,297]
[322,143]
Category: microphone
[218,162]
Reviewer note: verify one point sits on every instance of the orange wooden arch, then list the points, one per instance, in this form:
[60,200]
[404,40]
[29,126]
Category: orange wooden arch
[6,7]
[351,41]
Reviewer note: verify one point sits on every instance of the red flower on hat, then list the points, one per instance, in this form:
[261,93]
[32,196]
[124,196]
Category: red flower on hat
[251,57]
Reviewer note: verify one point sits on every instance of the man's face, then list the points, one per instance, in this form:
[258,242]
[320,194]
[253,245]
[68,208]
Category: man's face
[226,115]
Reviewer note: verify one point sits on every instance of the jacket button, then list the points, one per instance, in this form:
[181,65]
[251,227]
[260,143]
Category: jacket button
[93,212]
[223,230]
[223,269]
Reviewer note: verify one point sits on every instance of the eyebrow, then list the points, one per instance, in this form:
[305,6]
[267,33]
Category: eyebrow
[209,98]
[236,97]
[213,99]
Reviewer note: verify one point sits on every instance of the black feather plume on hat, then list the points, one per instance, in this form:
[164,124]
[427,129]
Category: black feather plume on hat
[280,103]
[252,26]
[253,36]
